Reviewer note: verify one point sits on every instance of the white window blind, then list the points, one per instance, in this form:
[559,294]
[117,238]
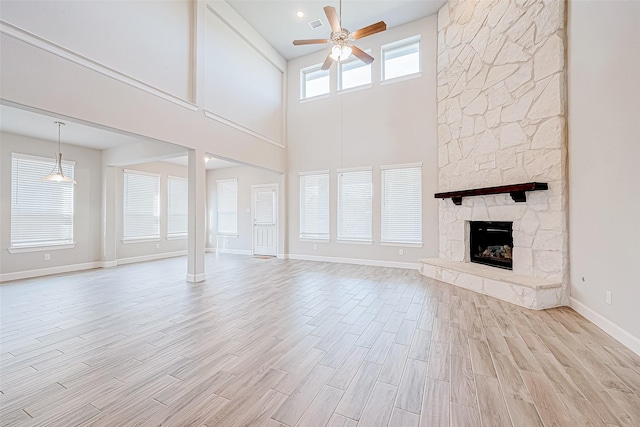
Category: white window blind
[314,81]
[354,73]
[227,196]
[314,206]
[177,206]
[401,58]
[41,211]
[141,206]
[401,218]
[354,205]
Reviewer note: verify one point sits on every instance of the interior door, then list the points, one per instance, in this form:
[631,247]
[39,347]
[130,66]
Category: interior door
[264,220]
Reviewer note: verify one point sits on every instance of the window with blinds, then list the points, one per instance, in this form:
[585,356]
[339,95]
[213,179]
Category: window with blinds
[227,201]
[141,206]
[41,211]
[354,73]
[401,216]
[354,205]
[314,206]
[314,81]
[401,58]
[177,207]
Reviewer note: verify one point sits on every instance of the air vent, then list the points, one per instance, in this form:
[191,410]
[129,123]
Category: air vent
[316,23]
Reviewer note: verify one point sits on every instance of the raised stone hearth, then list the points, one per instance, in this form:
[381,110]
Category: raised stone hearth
[501,121]
[526,291]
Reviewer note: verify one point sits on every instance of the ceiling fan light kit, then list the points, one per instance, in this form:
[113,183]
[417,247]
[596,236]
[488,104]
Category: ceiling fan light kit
[342,39]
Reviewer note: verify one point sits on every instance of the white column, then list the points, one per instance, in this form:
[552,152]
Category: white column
[197,223]
[109,216]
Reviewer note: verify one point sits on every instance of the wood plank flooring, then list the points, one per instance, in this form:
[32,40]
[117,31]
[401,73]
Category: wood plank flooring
[267,342]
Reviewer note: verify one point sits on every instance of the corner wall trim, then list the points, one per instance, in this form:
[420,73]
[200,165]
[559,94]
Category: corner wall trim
[607,325]
[27,274]
[48,46]
[195,278]
[357,261]
[242,128]
[131,260]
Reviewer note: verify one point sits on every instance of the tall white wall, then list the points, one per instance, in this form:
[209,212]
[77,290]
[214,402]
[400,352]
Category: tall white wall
[385,124]
[87,199]
[604,159]
[247,177]
[141,67]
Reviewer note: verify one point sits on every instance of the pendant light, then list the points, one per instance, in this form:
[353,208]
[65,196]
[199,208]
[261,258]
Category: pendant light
[56,174]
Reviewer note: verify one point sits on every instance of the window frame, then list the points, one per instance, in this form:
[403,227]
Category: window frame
[218,211]
[303,82]
[56,244]
[351,60]
[339,217]
[383,205]
[319,237]
[177,235]
[399,44]
[140,238]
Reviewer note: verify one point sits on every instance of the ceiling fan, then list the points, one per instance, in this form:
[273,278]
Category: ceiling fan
[341,39]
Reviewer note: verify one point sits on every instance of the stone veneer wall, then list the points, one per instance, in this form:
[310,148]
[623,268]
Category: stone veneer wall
[501,120]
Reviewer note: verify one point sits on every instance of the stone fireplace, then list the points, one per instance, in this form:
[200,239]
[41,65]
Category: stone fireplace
[501,121]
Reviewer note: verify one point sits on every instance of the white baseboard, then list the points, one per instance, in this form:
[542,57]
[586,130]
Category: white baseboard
[357,261]
[27,274]
[107,264]
[229,251]
[607,325]
[153,257]
[195,278]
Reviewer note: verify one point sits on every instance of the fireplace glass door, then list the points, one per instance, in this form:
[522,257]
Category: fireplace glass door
[491,243]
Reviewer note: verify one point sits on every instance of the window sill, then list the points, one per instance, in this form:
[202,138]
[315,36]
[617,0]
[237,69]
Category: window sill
[316,240]
[228,236]
[315,98]
[401,78]
[355,89]
[356,242]
[128,241]
[402,245]
[176,237]
[26,249]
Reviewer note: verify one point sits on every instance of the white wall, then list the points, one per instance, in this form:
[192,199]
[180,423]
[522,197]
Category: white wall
[87,198]
[385,124]
[243,86]
[604,160]
[115,34]
[145,76]
[247,177]
[148,249]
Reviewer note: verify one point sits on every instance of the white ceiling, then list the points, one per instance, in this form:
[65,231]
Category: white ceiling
[42,126]
[277,22]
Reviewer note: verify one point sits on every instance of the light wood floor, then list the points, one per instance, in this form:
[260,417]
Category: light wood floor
[271,342]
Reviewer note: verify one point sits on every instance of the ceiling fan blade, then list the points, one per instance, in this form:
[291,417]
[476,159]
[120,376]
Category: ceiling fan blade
[369,30]
[361,55]
[310,41]
[332,17]
[327,63]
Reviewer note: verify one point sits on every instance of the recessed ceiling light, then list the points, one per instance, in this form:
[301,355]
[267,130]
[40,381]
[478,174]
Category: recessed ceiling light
[299,14]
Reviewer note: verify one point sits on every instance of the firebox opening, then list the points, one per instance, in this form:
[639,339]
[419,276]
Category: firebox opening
[491,243]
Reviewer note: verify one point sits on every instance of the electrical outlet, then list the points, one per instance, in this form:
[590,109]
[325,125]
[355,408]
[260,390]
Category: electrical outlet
[315,247]
[47,257]
[157,245]
[608,297]
[400,251]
